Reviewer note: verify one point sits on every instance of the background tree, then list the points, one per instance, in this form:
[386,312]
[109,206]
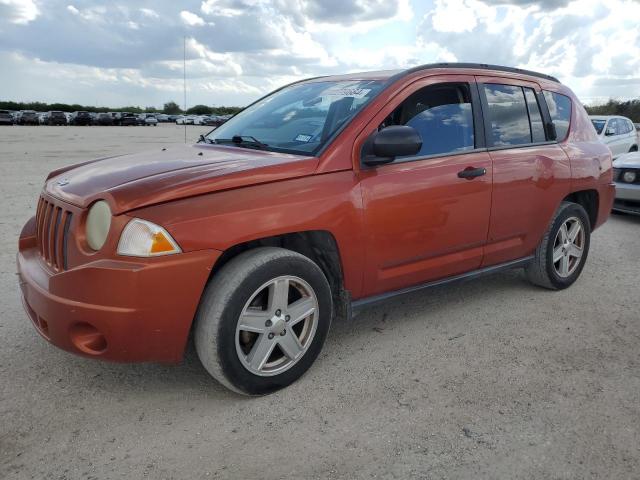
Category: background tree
[171,108]
[199,110]
[627,108]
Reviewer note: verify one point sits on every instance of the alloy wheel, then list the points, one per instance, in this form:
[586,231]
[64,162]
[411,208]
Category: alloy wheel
[568,247]
[276,326]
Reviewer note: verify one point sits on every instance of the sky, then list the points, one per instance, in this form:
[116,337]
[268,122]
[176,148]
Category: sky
[116,53]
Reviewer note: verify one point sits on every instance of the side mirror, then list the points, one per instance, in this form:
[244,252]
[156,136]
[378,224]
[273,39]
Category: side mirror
[391,142]
[201,139]
[609,131]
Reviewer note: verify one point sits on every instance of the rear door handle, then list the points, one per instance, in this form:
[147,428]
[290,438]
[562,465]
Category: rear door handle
[470,173]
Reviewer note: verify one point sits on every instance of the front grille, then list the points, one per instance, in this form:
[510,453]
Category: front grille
[52,232]
[616,174]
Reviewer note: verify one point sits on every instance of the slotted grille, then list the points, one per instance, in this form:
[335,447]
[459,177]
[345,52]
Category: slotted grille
[52,230]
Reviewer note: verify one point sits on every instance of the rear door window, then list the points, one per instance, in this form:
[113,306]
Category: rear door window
[560,111]
[508,115]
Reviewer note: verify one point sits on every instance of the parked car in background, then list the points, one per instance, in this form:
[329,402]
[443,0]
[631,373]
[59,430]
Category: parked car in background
[6,118]
[173,118]
[162,117]
[626,174]
[115,117]
[56,118]
[216,120]
[104,119]
[28,117]
[618,133]
[254,240]
[81,118]
[128,119]
[185,120]
[150,119]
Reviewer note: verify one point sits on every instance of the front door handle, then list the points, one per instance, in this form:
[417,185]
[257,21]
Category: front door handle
[470,173]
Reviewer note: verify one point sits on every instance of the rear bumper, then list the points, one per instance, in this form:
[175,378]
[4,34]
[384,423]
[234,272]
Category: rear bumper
[119,310]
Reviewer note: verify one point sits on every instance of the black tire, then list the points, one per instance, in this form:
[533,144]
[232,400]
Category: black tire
[541,271]
[222,304]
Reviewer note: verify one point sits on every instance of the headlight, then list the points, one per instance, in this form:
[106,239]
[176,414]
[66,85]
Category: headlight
[629,177]
[145,239]
[98,224]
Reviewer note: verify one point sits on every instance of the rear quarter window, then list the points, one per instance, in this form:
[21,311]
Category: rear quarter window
[560,111]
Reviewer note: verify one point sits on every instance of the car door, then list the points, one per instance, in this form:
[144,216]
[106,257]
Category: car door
[426,216]
[531,174]
[616,138]
[630,135]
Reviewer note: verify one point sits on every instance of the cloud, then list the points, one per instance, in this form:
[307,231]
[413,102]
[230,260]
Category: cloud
[148,12]
[248,47]
[191,19]
[343,12]
[20,12]
[567,43]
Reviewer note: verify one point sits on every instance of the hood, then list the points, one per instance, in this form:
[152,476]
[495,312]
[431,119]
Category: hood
[142,179]
[627,160]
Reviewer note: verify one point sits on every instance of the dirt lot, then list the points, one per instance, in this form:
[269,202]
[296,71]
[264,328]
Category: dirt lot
[489,379]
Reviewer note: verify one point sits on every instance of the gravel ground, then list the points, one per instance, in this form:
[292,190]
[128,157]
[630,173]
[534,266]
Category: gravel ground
[488,379]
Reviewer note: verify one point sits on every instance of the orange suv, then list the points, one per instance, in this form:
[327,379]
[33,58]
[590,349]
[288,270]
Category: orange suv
[322,197]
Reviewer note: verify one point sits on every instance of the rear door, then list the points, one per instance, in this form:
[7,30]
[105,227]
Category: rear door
[425,218]
[531,172]
[619,140]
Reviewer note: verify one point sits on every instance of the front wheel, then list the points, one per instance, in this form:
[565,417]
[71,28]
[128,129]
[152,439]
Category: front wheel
[262,320]
[562,253]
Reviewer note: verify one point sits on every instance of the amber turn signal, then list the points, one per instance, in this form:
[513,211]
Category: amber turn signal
[141,238]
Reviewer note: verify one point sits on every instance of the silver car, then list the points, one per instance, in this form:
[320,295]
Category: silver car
[626,174]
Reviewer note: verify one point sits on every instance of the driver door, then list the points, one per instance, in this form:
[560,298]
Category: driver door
[424,218]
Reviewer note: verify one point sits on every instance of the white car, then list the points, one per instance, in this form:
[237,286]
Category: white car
[150,119]
[626,174]
[184,120]
[200,120]
[618,133]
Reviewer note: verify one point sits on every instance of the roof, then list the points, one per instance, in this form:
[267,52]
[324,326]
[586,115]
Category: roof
[396,74]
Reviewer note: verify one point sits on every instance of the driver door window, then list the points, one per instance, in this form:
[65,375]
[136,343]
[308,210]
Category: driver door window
[443,117]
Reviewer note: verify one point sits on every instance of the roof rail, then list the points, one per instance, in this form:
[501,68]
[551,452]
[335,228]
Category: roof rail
[480,66]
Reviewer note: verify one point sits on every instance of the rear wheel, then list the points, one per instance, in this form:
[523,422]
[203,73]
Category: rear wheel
[562,253]
[263,320]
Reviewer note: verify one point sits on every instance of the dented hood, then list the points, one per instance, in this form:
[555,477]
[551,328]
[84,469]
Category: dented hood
[142,179]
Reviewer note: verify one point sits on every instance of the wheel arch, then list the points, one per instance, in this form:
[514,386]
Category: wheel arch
[589,200]
[320,246]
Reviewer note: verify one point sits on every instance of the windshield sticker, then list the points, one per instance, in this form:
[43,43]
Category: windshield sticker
[354,92]
[303,138]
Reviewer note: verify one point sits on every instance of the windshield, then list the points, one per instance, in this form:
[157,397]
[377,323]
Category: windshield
[599,125]
[298,119]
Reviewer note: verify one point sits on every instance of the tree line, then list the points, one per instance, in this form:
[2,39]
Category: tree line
[170,108]
[627,108]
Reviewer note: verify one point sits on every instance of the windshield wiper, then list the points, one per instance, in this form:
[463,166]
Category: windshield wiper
[244,141]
